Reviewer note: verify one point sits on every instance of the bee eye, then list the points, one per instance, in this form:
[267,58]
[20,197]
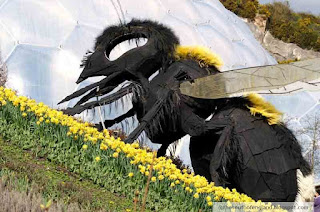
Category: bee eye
[124,47]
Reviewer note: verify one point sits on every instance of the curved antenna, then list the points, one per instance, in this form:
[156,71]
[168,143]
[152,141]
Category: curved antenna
[115,7]
[124,19]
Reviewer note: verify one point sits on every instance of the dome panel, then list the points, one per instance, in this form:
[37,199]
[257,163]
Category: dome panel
[80,40]
[98,13]
[295,104]
[7,43]
[151,9]
[305,142]
[216,17]
[219,44]
[48,79]
[2,2]
[186,12]
[311,120]
[294,124]
[316,95]
[185,31]
[37,22]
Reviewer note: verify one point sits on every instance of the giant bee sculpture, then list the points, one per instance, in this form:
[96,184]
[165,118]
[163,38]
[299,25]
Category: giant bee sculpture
[243,145]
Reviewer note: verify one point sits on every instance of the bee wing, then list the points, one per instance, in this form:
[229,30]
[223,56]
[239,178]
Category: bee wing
[281,78]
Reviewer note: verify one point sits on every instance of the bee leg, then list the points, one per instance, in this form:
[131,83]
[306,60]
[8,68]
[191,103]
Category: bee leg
[221,156]
[106,85]
[109,123]
[103,101]
[162,150]
[145,121]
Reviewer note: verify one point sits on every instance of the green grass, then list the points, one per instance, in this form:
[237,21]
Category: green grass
[54,182]
[51,142]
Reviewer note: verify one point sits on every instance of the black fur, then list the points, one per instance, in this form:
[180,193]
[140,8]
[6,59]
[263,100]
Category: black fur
[165,39]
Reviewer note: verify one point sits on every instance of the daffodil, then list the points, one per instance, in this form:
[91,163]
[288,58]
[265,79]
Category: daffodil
[137,156]
[103,146]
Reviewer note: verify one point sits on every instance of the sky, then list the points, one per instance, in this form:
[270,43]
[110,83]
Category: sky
[312,6]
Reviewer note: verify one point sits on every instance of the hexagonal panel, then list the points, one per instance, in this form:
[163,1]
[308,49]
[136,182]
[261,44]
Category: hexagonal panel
[215,16]
[7,43]
[316,95]
[185,31]
[97,13]
[311,122]
[295,104]
[2,2]
[42,22]
[80,40]
[220,44]
[186,12]
[49,79]
[153,10]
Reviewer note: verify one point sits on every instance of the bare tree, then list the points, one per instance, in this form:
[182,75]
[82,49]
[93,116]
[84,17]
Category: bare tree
[311,124]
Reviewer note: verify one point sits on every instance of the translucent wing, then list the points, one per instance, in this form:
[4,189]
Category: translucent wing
[264,79]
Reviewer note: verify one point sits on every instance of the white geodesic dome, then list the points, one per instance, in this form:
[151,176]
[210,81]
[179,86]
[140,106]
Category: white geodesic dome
[43,41]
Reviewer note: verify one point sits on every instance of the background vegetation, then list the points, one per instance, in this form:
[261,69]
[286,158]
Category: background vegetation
[302,29]
[27,182]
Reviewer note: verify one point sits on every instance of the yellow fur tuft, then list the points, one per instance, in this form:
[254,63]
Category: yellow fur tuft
[264,108]
[199,53]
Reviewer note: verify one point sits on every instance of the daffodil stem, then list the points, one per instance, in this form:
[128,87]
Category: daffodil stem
[148,183]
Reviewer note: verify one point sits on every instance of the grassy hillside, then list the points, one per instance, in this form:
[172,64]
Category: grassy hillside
[27,181]
[302,29]
[75,147]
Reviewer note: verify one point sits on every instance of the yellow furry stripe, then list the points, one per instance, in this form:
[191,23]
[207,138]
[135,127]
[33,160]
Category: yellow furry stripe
[199,53]
[264,108]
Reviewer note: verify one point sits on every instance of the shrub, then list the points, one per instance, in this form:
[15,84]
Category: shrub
[243,8]
[302,29]
[263,10]
[299,28]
